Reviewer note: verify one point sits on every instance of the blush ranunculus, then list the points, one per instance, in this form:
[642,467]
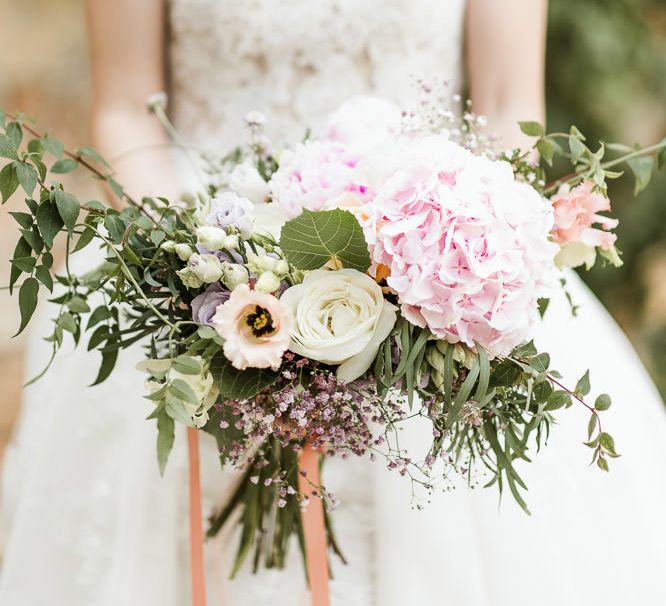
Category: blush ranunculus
[466,246]
[255,327]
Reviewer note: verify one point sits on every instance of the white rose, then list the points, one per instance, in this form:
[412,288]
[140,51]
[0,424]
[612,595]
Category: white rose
[246,181]
[208,268]
[183,251]
[211,237]
[233,275]
[340,317]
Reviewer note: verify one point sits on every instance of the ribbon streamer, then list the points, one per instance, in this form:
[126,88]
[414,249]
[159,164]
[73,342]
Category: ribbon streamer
[196,521]
[314,528]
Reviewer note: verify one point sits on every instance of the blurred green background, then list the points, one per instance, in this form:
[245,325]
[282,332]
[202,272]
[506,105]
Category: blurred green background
[606,73]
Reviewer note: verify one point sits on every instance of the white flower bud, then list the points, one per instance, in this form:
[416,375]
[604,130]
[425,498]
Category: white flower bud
[183,251]
[208,268]
[211,237]
[230,242]
[189,278]
[267,282]
[233,275]
[168,246]
[259,263]
[281,267]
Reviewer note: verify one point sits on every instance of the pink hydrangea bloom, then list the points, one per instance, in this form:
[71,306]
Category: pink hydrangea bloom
[466,245]
[576,211]
[313,173]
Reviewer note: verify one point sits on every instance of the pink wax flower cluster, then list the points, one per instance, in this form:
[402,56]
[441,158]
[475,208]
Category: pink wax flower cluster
[576,212]
[466,245]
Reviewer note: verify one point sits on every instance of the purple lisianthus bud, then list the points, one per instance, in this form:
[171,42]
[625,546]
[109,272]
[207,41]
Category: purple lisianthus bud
[229,209]
[205,304]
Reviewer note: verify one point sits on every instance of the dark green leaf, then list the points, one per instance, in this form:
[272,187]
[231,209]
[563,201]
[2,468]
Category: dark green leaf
[66,165]
[32,237]
[8,181]
[100,314]
[44,276]
[313,238]
[603,402]
[116,228]
[239,384]
[540,362]
[48,221]
[84,239]
[23,249]
[23,219]
[25,264]
[27,176]
[165,439]
[108,362]
[28,294]
[68,208]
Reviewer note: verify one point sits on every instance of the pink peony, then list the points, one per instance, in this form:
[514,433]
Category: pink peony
[255,327]
[576,212]
[312,173]
[466,246]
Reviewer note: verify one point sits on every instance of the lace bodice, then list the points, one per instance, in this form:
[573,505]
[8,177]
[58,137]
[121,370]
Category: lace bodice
[297,60]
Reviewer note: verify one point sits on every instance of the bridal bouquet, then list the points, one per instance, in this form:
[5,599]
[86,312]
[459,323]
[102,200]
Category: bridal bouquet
[389,271]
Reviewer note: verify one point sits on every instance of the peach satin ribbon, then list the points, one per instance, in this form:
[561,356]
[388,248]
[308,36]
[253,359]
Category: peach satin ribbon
[196,521]
[314,528]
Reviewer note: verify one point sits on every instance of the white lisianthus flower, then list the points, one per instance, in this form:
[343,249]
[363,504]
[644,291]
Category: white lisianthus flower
[267,282]
[339,317]
[246,181]
[233,275]
[211,237]
[184,251]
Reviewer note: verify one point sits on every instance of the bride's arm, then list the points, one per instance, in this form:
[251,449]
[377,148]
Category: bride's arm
[505,54]
[127,61]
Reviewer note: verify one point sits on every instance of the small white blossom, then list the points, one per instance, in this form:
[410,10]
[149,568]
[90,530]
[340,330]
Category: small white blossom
[208,268]
[230,242]
[184,251]
[168,246]
[267,282]
[233,275]
[211,237]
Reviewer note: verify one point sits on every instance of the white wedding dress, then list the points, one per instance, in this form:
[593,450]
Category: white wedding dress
[88,520]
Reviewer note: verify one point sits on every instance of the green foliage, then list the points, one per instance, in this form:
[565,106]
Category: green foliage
[239,385]
[314,238]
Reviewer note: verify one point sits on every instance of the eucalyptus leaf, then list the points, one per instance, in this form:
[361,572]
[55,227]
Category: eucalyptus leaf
[642,167]
[68,208]
[531,129]
[27,176]
[48,221]
[66,165]
[8,149]
[165,439]
[8,181]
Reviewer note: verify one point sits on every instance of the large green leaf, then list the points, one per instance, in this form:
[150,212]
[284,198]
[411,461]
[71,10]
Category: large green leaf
[8,181]
[239,384]
[313,238]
